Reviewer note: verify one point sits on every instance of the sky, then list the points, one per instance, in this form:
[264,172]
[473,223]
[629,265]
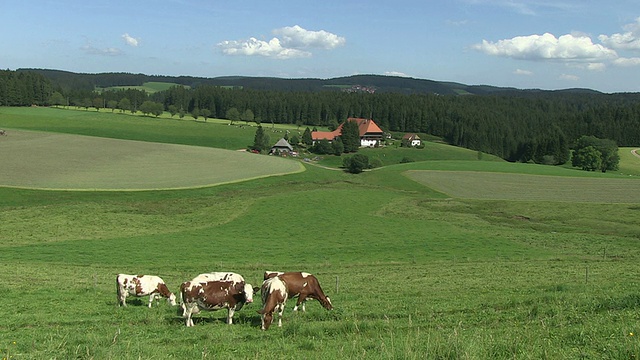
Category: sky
[542,44]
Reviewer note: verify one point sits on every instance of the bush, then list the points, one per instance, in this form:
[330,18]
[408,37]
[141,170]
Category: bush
[356,163]
[375,163]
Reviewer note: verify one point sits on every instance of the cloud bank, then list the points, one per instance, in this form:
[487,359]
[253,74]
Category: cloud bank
[290,42]
[548,47]
[570,48]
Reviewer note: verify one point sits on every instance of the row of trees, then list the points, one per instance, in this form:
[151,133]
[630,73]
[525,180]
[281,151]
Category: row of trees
[527,127]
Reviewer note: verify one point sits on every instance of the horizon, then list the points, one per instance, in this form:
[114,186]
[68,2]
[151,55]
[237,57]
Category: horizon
[329,78]
[523,44]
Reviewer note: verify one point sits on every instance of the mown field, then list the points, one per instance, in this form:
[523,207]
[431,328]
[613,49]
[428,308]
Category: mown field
[415,269]
[43,160]
[150,87]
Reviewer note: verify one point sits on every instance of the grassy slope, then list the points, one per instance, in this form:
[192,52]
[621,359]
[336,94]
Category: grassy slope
[150,87]
[61,161]
[412,272]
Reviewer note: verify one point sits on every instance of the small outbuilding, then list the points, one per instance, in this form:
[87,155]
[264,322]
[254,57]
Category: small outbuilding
[282,146]
[411,139]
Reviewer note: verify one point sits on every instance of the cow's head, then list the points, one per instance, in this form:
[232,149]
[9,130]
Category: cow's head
[267,320]
[327,303]
[172,299]
[248,293]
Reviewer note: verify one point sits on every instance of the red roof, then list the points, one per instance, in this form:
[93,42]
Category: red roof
[365,126]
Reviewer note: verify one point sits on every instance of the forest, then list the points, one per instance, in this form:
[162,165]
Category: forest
[516,125]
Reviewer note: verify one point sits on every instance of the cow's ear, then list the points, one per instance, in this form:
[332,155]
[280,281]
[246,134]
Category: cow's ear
[256,290]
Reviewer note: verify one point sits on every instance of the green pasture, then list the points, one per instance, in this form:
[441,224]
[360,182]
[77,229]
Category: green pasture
[150,87]
[61,161]
[415,266]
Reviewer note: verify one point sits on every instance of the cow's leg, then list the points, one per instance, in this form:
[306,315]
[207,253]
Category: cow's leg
[151,298]
[187,313]
[280,311]
[123,298]
[301,300]
[230,315]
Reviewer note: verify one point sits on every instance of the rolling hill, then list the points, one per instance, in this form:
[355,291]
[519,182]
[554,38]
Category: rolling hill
[355,83]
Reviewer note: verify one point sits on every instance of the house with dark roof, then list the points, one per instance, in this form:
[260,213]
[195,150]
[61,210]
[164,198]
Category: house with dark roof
[370,132]
[411,140]
[282,146]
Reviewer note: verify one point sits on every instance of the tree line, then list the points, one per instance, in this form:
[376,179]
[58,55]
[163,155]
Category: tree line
[539,127]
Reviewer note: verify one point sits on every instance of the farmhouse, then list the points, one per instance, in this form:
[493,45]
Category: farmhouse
[282,146]
[411,139]
[370,132]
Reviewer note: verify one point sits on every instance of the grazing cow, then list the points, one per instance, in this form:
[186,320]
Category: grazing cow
[142,285]
[214,291]
[302,285]
[274,297]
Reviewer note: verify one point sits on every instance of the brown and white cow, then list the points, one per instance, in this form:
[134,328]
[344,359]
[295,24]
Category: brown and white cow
[303,286]
[214,291]
[274,297]
[142,285]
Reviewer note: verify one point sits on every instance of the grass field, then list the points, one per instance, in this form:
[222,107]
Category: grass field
[150,87]
[75,162]
[414,270]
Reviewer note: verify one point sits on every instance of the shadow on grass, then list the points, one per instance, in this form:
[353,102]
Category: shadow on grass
[213,317]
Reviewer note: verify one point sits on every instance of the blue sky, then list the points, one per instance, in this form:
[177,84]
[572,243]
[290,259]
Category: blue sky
[546,44]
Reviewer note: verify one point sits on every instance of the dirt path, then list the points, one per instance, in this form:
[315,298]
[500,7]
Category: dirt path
[635,152]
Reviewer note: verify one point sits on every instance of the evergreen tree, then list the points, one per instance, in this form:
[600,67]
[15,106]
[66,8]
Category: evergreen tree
[261,140]
[323,147]
[337,147]
[350,136]
[306,137]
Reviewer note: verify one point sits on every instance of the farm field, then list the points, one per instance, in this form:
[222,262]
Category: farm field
[75,162]
[415,267]
[150,87]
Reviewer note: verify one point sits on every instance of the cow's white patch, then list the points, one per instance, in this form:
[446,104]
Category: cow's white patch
[304,274]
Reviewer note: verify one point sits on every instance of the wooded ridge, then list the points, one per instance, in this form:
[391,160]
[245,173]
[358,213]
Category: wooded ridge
[354,83]
[517,125]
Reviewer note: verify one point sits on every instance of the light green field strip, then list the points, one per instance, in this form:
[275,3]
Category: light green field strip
[72,162]
[503,186]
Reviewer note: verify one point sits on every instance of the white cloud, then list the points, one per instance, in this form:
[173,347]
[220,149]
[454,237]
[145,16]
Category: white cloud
[252,46]
[630,40]
[569,77]
[547,47]
[626,62]
[523,72]
[297,37]
[395,73]
[292,43]
[91,50]
[130,40]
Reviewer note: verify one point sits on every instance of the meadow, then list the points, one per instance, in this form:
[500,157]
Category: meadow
[150,87]
[416,268]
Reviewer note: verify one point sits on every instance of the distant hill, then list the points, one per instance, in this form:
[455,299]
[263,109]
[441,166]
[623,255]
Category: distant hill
[355,83]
